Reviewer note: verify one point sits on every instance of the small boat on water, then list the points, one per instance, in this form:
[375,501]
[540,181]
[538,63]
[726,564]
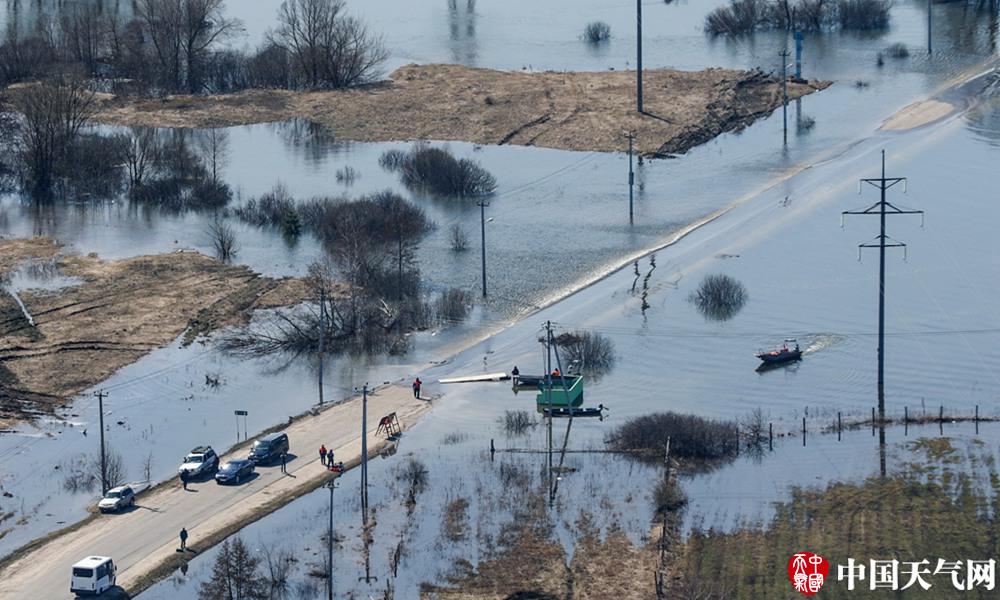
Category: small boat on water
[786,353]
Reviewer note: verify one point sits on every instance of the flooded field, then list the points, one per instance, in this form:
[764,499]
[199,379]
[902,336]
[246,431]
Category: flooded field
[664,350]
[559,222]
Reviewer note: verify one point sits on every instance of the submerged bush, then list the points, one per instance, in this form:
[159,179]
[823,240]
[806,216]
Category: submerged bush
[898,50]
[517,422]
[691,437]
[597,32]
[594,352]
[746,16]
[437,171]
[719,297]
[863,14]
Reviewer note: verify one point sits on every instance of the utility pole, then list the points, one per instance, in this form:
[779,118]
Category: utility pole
[631,175]
[482,204]
[329,544]
[798,54]
[882,208]
[104,463]
[638,51]
[784,92]
[322,334]
[929,20]
[364,451]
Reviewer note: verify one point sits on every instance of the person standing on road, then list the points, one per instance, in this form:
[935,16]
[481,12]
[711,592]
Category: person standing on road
[416,388]
[184,480]
[283,459]
[514,374]
[322,454]
[184,539]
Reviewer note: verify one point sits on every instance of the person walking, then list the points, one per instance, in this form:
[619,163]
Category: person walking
[322,454]
[184,539]
[184,480]
[416,388]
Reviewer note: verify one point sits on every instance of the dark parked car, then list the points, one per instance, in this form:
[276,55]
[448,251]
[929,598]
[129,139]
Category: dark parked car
[269,448]
[234,471]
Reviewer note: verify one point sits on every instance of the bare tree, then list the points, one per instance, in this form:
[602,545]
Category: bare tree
[235,575]
[330,48]
[84,35]
[138,150]
[53,114]
[115,471]
[214,144]
[182,33]
[223,239]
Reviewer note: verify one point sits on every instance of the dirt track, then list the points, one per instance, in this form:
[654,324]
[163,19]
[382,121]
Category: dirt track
[120,311]
[571,111]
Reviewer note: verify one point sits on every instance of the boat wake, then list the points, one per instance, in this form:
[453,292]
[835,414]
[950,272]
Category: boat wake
[822,341]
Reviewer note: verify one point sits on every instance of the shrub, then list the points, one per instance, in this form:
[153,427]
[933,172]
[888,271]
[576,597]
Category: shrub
[691,437]
[458,237]
[719,297]
[347,175]
[668,497]
[597,32]
[594,352]
[453,305]
[739,17]
[898,50]
[392,160]
[517,422]
[863,14]
[437,171]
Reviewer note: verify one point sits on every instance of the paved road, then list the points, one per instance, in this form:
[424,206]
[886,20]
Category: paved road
[144,537]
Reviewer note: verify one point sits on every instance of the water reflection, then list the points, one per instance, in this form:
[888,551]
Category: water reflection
[462,31]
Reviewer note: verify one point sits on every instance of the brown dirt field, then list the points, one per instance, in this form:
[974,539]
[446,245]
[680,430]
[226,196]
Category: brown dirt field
[121,311]
[570,111]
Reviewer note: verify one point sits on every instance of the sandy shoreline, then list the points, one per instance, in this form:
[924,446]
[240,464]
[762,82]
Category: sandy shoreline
[585,111]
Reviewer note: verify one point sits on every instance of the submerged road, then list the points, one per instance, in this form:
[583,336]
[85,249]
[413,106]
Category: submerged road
[146,537]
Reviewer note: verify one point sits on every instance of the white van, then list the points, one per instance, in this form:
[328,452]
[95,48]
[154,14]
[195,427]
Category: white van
[93,576]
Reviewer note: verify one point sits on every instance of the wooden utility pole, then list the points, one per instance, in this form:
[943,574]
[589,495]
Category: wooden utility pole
[322,335]
[329,544]
[364,450]
[882,208]
[630,135]
[482,204]
[784,93]
[104,463]
[638,52]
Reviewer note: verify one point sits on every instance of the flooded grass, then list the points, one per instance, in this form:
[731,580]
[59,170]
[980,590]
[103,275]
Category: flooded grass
[932,508]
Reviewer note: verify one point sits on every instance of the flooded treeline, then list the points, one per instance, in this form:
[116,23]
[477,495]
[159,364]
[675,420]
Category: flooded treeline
[170,46]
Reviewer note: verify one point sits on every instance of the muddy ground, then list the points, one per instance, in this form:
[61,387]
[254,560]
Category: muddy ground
[570,111]
[115,313]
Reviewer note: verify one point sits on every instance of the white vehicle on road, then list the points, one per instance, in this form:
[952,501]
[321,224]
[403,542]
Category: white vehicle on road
[200,461]
[117,499]
[93,576]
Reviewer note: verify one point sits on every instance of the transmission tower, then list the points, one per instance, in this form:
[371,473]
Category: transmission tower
[882,208]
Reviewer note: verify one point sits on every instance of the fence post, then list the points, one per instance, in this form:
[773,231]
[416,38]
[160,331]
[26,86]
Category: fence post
[803,431]
[977,419]
[840,426]
[492,449]
[770,437]
[873,421]
[906,421]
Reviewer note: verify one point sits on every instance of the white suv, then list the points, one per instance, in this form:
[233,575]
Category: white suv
[199,461]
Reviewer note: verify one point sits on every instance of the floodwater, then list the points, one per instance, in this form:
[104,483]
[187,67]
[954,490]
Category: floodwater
[804,279]
[782,241]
